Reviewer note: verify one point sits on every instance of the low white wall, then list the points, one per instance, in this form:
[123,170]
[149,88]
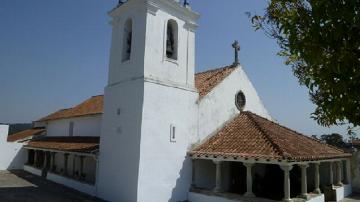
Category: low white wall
[32,170]
[196,197]
[342,192]
[12,156]
[319,198]
[82,187]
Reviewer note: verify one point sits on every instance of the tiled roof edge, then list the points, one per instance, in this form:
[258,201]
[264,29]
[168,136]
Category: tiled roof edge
[298,133]
[216,69]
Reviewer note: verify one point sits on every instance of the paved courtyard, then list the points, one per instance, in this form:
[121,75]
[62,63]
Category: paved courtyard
[20,186]
[352,199]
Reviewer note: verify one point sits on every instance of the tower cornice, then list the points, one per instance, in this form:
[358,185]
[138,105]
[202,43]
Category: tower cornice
[152,6]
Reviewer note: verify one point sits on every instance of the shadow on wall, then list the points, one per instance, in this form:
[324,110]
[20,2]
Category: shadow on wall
[21,186]
[19,159]
[182,186]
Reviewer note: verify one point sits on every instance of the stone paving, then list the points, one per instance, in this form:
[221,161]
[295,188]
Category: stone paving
[352,199]
[20,186]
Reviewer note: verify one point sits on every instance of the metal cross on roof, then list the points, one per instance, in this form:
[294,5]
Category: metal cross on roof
[236,47]
[186,3]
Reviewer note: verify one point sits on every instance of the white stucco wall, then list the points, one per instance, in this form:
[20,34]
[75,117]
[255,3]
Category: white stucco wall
[83,126]
[318,198]
[342,192]
[158,67]
[136,154]
[120,142]
[164,169]
[82,187]
[12,156]
[218,107]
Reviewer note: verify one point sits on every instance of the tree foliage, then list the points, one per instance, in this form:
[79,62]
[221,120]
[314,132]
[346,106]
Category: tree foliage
[333,139]
[320,40]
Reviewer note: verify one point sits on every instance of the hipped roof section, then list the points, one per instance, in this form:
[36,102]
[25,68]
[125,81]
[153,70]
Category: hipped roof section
[251,136]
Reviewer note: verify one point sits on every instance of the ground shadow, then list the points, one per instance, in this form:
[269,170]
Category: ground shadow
[20,186]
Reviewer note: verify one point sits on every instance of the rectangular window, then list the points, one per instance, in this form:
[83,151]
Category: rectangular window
[71,128]
[172,133]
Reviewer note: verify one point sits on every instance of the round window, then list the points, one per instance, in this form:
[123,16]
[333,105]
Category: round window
[240,100]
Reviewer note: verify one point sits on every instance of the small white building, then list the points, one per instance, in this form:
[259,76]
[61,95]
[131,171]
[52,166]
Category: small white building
[163,133]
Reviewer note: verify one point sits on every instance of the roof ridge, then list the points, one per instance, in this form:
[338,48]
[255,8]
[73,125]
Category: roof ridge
[216,69]
[296,132]
[276,147]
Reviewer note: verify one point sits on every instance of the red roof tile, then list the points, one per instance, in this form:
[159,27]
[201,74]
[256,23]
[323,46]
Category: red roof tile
[92,106]
[24,134]
[249,135]
[204,82]
[67,144]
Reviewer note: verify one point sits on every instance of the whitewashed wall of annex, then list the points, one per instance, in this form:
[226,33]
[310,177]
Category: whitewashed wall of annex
[12,156]
[83,126]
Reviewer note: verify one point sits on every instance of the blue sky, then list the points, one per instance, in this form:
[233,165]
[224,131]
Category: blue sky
[54,54]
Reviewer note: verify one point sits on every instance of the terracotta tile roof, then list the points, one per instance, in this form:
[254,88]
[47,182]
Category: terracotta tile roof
[251,136]
[67,144]
[355,142]
[25,134]
[206,81]
[91,106]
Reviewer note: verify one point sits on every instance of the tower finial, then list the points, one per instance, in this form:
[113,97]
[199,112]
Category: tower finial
[120,2]
[236,47]
[186,4]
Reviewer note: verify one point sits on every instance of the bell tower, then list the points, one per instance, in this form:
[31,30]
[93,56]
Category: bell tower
[154,39]
[150,111]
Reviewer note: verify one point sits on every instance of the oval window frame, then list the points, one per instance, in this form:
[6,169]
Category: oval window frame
[239,105]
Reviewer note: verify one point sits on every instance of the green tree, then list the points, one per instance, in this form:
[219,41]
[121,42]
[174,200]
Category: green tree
[333,139]
[320,40]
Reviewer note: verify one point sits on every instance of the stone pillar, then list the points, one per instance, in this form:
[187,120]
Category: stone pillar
[249,180]
[52,161]
[35,158]
[317,178]
[304,180]
[29,151]
[331,174]
[66,157]
[74,167]
[193,184]
[218,176]
[339,173]
[45,160]
[348,172]
[81,166]
[286,169]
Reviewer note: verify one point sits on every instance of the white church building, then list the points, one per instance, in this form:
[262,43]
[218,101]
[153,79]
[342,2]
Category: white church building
[163,133]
